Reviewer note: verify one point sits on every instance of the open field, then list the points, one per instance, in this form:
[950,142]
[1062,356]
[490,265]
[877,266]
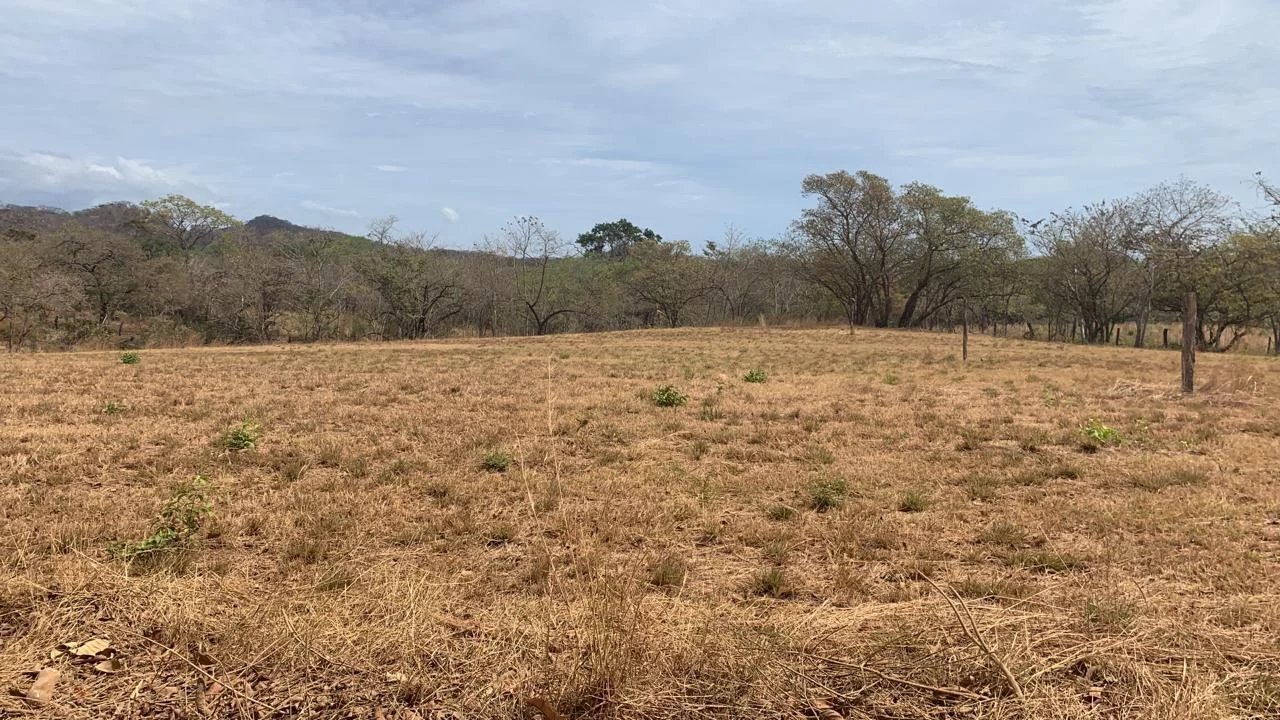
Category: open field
[877,531]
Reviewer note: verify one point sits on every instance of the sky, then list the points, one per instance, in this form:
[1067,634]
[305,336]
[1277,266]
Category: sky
[686,116]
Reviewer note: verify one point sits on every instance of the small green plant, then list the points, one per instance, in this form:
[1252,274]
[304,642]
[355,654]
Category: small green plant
[669,396]
[244,436]
[827,494]
[113,408]
[177,524]
[892,379]
[496,461]
[1100,433]
[913,501]
[131,358]
[755,376]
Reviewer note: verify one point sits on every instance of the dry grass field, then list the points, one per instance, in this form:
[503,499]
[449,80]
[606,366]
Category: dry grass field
[876,531]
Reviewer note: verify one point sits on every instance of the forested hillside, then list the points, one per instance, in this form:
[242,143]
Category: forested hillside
[864,252]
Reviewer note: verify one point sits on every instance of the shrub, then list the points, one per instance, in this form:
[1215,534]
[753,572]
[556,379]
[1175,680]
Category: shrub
[755,376]
[244,436]
[177,524]
[131,358]
[496,461]
[827,494]
[669,396]
[1100,433]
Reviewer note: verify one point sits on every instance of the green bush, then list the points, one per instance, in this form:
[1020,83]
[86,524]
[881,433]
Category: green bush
[669,396]
[1098,433]
[496,461]
[244,436]
[755,376]
[131,358]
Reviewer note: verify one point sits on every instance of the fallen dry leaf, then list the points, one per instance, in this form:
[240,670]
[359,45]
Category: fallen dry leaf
[544,708]
[109,667]
[41,691]
[397,677]
[92,648]
[203,660]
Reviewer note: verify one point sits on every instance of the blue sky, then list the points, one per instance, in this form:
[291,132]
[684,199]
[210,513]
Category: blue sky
[683,115]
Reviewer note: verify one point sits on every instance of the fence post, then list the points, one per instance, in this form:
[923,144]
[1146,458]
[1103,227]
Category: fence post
[1166,338]
[964,336]
[1189,325]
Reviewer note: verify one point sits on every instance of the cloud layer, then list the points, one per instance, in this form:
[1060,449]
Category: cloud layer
[684,116]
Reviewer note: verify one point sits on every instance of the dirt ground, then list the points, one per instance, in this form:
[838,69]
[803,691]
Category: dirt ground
[513,528]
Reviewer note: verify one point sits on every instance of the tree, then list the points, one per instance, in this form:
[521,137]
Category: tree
[614,240]
[664,275]
[1177,223]
[185,224]
[109,266]
[848,242]
[954,251]
[417,286]
[529,248]
[1087,265]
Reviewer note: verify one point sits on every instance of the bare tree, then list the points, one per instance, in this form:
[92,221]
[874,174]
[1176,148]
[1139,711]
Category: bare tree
[529,249]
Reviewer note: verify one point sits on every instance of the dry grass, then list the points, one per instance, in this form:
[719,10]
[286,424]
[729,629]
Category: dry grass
[827,544]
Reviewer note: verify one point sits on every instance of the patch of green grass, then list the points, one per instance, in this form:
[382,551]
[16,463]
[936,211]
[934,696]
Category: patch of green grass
[827,494]
[755,376]
[771,582]
[1176,478]
[131,358]
[113,408]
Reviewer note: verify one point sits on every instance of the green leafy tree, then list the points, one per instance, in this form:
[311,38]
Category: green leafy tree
[183,223]
[615,239]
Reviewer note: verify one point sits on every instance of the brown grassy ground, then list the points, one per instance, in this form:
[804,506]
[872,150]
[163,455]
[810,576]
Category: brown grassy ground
[641,562]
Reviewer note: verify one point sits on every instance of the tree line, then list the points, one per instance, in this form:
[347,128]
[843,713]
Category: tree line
[863,252]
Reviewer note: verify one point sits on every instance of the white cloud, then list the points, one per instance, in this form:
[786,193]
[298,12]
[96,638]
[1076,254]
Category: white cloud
[391,168]
[450,214]
[327,210]
[94,180]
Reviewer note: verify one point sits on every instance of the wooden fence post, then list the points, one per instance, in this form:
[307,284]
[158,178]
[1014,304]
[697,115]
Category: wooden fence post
[1166,338]
[1189,325]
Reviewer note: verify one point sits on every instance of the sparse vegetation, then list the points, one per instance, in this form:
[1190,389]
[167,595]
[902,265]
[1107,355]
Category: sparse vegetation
[755,376]
[669,396]
[628,550]
[244,436]
[496,461]
[827,494]
[176,526]
[131,358]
